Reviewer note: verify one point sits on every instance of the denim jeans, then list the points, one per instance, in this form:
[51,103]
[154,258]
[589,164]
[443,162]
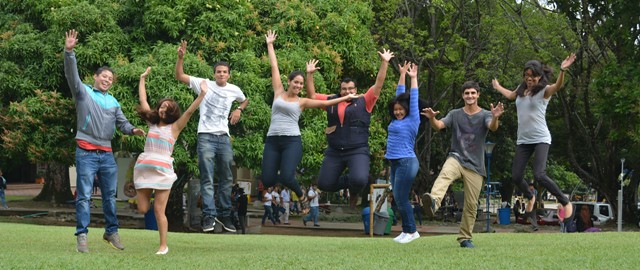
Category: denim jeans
[4,200]
[336,161]
[313,214]
[268,213]
[403,172]
[215,156]
[89,164]
[282,154]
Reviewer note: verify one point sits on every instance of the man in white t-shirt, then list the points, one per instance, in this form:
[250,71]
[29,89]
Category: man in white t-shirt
[267,201]
[314,206]
[214,144]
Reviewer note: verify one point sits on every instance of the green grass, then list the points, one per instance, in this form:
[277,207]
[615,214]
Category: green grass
[24,246]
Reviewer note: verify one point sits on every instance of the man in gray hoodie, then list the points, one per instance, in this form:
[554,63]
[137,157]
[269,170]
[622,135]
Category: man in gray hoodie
[98,114]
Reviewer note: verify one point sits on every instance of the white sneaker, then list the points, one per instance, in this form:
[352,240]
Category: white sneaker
[399,237]
[410,237]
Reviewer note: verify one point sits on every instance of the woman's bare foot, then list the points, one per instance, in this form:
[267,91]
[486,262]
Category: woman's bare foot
[568,210]
[530,204]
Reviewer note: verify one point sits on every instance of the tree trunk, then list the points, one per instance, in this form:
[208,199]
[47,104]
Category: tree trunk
[57,187]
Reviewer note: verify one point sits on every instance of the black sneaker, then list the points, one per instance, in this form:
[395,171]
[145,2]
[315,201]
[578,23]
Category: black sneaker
[208,224]
[226,224]
[467,244]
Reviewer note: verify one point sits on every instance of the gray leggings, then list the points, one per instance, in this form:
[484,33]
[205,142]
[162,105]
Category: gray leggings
[523,153]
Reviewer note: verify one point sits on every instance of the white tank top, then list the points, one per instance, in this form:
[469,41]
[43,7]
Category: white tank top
[284,118]
[532,124]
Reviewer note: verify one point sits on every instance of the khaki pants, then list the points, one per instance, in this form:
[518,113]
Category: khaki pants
[452,170]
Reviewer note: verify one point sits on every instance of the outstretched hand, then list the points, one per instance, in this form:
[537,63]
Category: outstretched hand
[404,67]
[568,61]
[311,66]
[497,110]
[495,84]
[413,70]
[429,113]
[182,49]
[146,73]
[270,36]
[386,55]
[352,96]
[203,87]
[71,40]
[139,132]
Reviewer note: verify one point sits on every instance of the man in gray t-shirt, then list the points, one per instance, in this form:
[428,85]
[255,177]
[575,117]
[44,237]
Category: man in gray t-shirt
[469,126]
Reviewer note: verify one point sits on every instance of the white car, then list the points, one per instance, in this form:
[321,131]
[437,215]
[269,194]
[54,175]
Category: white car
[602,211]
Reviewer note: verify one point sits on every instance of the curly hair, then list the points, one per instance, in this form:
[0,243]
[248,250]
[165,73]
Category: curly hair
[152,116]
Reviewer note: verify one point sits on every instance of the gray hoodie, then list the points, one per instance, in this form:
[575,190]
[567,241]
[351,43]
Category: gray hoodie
[98,113]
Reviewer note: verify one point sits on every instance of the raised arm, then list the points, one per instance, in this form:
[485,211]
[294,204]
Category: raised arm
[182,50]
[496,112]
[270,37]
[70,66]
[510,95]
[552,89]
[401,81]
[386,56]
[414,97]
[184,118]
[314,103]
[142,90]
[311,68]
[435,123]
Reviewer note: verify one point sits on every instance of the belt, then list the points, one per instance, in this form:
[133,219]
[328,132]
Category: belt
[97,151]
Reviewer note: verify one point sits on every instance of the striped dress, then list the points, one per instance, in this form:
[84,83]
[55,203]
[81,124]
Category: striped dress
[154,167]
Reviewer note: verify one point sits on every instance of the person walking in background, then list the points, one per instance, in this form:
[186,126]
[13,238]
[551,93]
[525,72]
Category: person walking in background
[3,186]
[153,171]
[532,97]
[283,145]
[267,202]
[416,201]
[348,132]
[98,114]
[243,202]
[314,206]
[401,139]
[286,203]
[277,202]
[561,213]
[469,127]
[215,155]
[532,215]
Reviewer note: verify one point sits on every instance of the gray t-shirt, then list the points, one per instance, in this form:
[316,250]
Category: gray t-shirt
[284,118]
[468,135]
[532,125]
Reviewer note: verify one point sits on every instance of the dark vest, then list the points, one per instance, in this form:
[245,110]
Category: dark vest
[354,133]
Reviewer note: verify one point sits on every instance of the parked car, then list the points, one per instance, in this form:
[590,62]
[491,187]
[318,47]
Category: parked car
[544,216]
[602,211]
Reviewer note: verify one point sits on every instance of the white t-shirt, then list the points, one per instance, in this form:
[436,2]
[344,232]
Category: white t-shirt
[267,199]
[215,108]
[276,196]
[314,201]
[286,197]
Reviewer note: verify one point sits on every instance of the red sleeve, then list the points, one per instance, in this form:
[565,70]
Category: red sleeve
[370,99]
[322,97]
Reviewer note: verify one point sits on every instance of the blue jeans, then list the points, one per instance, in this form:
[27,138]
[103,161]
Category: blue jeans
[403,172]
[282,153]
[268,213]
[4,201]
[89,164]
[313,214]
[215,156]
[336,161]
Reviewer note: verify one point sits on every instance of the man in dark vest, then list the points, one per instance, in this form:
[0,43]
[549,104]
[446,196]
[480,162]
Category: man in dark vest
[348,132]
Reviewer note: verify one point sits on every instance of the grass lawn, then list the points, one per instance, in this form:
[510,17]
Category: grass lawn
[24,246]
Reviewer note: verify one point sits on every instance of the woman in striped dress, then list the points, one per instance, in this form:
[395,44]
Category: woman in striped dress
[154,168]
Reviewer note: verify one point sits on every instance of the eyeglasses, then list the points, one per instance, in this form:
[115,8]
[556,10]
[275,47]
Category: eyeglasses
[529,76]
[348,88]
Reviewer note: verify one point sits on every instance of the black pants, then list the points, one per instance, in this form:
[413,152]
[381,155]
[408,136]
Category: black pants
[523,153]
[336,161]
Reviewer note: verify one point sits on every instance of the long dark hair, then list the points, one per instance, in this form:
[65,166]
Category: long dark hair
[537,69]
[403,100]
[153,117]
